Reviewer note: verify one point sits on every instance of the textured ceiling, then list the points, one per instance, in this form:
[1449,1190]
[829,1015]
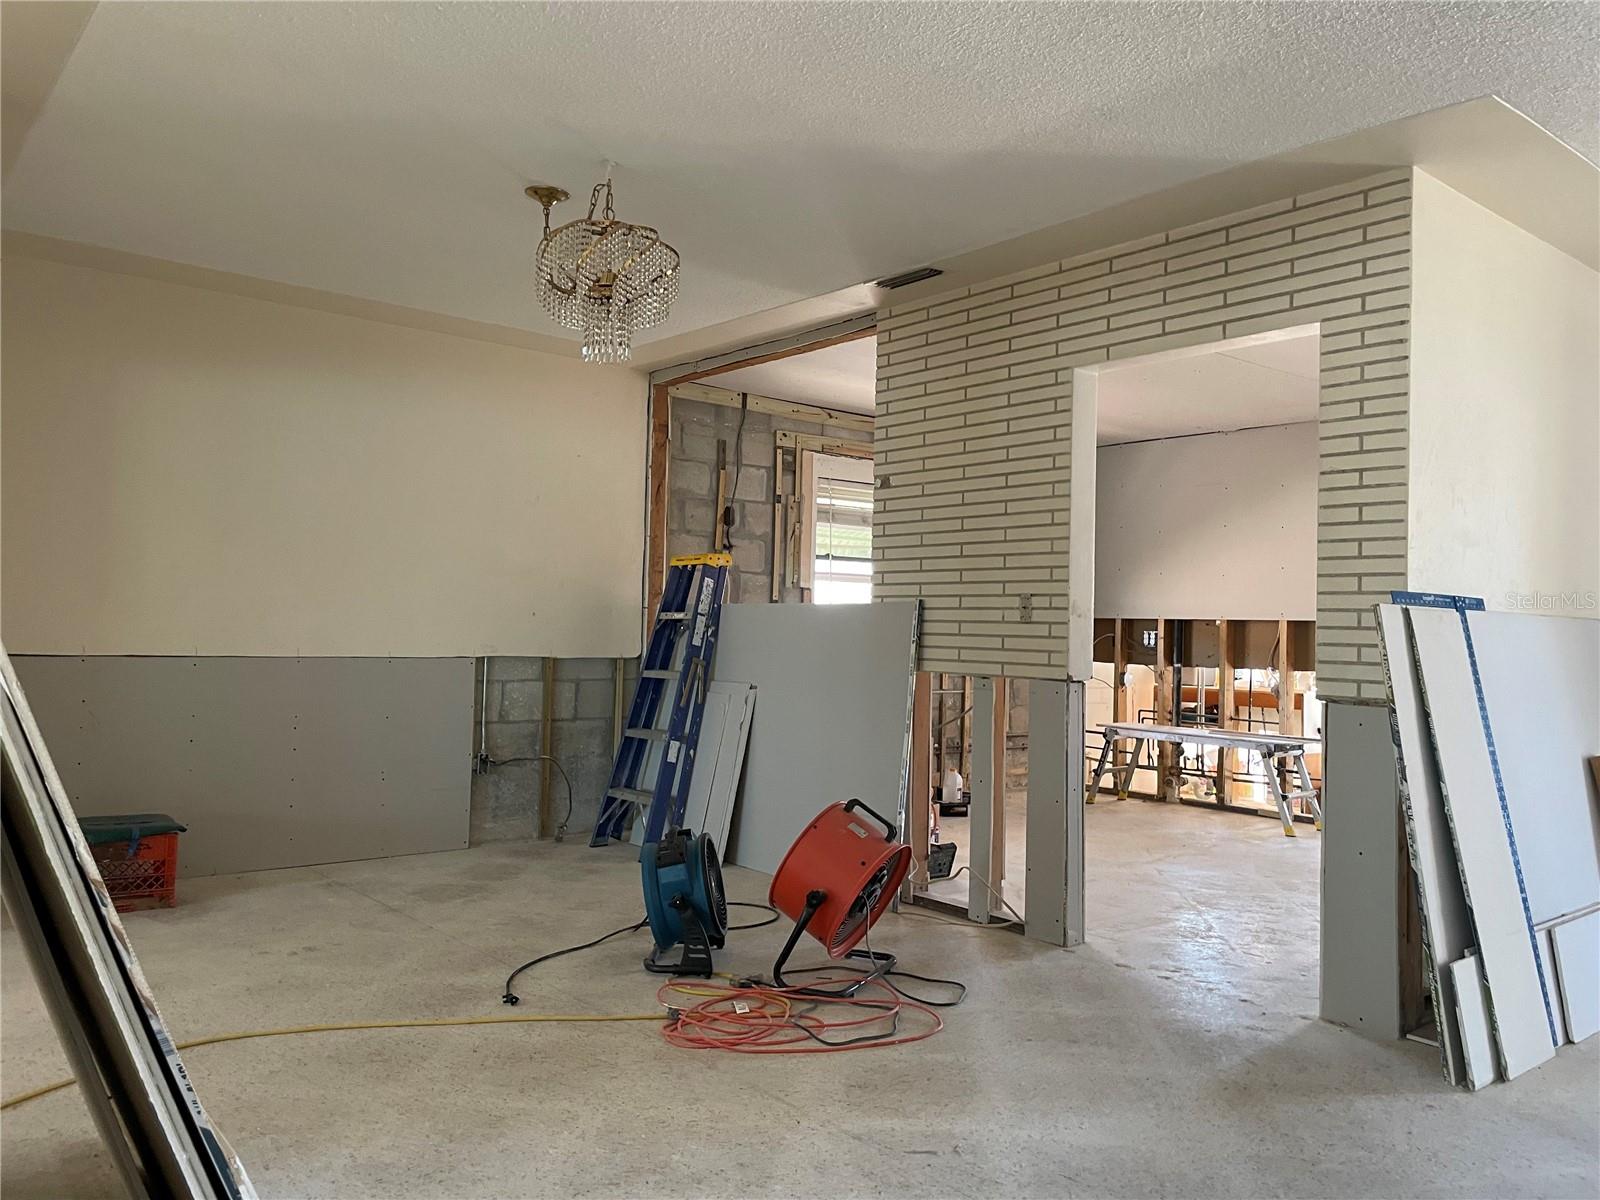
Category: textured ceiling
[789,150]
[1243,387]
[842,376]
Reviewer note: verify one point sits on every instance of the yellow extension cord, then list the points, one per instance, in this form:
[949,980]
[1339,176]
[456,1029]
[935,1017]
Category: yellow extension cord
[531,1018]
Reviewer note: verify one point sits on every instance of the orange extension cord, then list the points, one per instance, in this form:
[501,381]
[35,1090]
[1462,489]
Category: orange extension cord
[746,1018]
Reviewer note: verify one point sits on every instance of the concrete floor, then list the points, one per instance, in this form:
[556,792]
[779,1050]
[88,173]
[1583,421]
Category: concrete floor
[1176,1055]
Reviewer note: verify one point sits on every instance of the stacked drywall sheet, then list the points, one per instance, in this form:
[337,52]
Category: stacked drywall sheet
[1501,824]
[719,760]
[832,719]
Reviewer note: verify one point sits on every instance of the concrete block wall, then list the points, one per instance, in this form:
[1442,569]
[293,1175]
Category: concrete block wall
[974,417]
[505,798]
[696,428]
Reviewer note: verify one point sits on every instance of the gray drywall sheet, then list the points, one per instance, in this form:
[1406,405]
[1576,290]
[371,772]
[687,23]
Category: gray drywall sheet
[1472,1016]
[1360,867]
[719,761]
[1484,849]
[1446,924]
[1577,954]
[832,717]
[1541,684]
[270,762]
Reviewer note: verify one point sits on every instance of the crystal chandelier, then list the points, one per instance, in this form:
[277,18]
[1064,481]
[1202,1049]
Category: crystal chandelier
[603,277]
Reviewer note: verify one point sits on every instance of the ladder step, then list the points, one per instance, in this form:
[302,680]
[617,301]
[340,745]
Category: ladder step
[653,674]
[637,795]
[672,616]
[646,735]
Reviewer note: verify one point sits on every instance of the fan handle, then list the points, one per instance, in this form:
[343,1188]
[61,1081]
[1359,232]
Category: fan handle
[891,831]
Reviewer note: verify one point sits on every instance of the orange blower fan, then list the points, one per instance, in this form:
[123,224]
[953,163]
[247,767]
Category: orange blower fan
[838,878]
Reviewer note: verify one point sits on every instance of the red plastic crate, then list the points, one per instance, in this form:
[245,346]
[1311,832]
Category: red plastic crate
[148,878]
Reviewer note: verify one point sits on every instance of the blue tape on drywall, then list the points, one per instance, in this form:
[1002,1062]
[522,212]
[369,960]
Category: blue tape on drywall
[1437,600]
[1505,813]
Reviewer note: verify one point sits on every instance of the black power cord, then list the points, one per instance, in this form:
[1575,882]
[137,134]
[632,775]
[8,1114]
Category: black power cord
[771,920]
[510,997]
[561,829]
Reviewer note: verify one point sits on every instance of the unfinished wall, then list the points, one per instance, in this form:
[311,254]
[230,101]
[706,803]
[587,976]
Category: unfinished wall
[1505,412]
[505,797]
[697,427]
[1219,525]
[975,433]
[188,472]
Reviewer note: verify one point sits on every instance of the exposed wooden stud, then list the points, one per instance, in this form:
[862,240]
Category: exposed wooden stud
[777,523]
[987,772]
[1166,752]
[1227,716]
[1119,671]
[656,540]
[997,809]
[720,538]
[918,813]
[1288,714]
[707,394]
[789,439]
[964,747]
[619,680]
[547,707]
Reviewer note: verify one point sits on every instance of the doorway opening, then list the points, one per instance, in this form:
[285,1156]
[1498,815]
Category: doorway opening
[1202,725]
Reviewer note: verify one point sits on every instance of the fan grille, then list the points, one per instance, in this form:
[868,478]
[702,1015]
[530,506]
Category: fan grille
[863,906]
[714,892]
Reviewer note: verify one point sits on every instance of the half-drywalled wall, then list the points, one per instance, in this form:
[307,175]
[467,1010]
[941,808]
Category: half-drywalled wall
[1505,412]
[192,473]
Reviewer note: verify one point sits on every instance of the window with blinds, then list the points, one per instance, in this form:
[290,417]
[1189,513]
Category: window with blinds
[842,550]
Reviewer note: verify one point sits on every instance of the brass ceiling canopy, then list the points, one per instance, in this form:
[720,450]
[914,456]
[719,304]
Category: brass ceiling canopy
[602,277]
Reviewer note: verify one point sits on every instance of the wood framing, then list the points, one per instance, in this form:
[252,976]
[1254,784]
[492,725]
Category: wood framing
[997,839]
[987,786]
[918,802]
[547,712]
[655,550]
[1166,753]
[849,330]
[711,394]
[1227,705]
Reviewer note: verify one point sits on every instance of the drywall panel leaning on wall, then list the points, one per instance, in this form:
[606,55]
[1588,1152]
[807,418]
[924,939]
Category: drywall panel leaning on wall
[192,473]
[832,717]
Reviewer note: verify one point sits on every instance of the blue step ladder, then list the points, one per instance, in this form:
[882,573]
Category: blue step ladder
[676,670]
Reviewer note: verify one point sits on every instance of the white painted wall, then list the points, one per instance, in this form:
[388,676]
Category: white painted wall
[1219,525]
[1505,411]
[187,472]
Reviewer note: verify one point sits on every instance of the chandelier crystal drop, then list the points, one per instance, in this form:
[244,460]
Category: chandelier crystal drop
[604,278]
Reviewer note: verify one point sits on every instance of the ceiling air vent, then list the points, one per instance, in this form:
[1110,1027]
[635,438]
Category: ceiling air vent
[908,277]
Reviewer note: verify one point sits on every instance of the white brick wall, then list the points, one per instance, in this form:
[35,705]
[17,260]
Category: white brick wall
[974,416]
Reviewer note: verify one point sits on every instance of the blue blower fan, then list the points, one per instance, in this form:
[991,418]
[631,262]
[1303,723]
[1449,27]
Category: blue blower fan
[684,901]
